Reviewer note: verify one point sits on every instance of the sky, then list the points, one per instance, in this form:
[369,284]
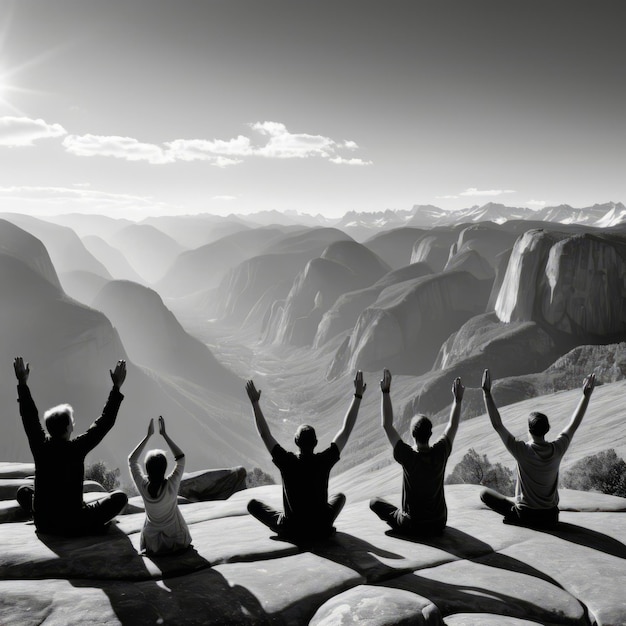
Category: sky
[152,107]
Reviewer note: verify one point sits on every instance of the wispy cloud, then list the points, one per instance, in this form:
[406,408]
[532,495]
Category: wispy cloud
[472,191]
[52,200]
[24,131]
[537,203]
[227,198]
[447,197]
[276,142]
[118,147]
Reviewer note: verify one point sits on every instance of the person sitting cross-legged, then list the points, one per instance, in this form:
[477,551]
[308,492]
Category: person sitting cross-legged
[424,510]
[56,502]
[164,530]
[308,514]
[538,461]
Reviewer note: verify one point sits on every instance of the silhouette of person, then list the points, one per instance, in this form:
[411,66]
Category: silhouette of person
[56,502]
[307,514]
[536,490]
[165,529]
[424,510]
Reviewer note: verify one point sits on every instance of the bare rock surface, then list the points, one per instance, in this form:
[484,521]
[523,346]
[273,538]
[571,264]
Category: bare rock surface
[479,571]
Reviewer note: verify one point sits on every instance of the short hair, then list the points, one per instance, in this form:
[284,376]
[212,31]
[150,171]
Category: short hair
[421,428]
[156,464]
[305,438]
[58,419]
[538,424]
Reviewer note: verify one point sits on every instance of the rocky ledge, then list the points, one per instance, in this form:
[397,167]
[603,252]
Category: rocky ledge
[479,571]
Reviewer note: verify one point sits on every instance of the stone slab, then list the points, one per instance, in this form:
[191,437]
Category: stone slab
[17,470]
[495,585]
[373,606]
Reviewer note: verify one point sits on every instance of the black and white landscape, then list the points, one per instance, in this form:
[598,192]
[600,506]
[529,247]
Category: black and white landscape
[290,192]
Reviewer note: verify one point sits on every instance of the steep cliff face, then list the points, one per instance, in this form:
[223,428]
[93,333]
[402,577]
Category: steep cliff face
[203,268]
[155,339]
[257,282]
[434,248]
[574,284]
[344,314]
[20,244]
[405,327]
[469,261]
[396,246]
[344,266]
[65,249]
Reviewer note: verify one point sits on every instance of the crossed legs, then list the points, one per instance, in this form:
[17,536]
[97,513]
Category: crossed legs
[276,520]
[401,522]
[533,518]
[92,518]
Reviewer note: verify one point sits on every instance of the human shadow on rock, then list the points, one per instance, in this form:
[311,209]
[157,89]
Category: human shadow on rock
[467,547]
[180,588]
[586,537]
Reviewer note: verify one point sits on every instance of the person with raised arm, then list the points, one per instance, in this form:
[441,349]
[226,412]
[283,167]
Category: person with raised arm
[307,514]
[424,510]
[164,530]
[536,491]
[56,502]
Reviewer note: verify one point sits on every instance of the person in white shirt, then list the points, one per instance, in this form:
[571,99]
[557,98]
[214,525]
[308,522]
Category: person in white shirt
[165,530]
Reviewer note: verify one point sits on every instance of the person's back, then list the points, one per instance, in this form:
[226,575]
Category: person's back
[423,498]
[56,502]
[423,510]
[308,514]
[538,461]
[164,530]
[59,473]
[538,464]
[305,487]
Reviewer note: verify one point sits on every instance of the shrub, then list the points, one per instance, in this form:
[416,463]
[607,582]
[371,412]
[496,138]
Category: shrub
[257,477]
[108,478]
[476,470]
[604,472]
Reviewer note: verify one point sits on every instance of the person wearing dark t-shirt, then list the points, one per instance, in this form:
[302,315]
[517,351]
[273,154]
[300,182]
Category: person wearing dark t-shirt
[56,502]
[423,510]
[538,461]
[307,514]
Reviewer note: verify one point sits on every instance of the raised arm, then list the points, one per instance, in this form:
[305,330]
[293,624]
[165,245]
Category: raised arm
[259,418]
[176,451]
[455,411]
[492,409]
[96,432]
[386,409]
[341,438]
[133,457]
[28,410]
[588,386]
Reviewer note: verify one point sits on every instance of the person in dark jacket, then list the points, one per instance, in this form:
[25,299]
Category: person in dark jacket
[56,502]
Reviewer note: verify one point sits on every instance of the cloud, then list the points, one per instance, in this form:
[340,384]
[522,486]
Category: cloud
[282,144]
[205,150]
[276,143]
[23,131]
[539,203]
[117,147]
[472,191]
[228,198]
[447,197]
[341,161]
[50,200]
